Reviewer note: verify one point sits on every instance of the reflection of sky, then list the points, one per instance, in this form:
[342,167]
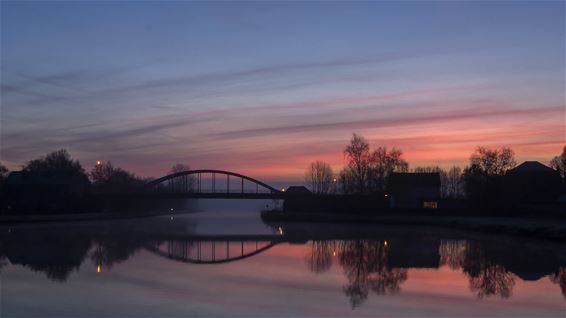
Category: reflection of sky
[276,283]
[264,88]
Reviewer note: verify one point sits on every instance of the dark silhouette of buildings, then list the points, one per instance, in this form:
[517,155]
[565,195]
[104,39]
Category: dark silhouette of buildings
[298,190]
[413,190]
[531,182]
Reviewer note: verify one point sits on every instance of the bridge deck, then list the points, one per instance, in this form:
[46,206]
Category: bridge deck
[196,195]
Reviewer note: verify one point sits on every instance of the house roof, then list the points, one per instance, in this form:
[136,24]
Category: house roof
[298,190]
[414,179]
[531,166]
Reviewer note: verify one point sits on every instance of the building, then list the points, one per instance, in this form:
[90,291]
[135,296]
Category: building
[413,190]
[298,190]
[532,182]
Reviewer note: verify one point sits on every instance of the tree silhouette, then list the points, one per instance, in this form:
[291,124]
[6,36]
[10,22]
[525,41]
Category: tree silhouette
[382,164]
[3,172]
[558,163]
[109,179]
[368,171]
[358,155]
[56,161]
[452,183]
[183,182]
[482,177]
[319,177]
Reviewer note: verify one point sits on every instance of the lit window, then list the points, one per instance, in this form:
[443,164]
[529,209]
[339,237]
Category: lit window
[430,205]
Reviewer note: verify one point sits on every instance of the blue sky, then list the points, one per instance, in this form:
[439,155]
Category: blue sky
[264,88]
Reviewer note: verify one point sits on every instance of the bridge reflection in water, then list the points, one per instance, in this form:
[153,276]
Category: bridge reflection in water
[209,251]
[372,261]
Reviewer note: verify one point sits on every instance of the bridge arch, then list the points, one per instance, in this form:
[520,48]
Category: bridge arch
[218,251]
[213,172]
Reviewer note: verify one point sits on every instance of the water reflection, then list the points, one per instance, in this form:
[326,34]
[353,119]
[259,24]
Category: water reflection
[378,263]
[382,266]
[560,278]
[366,267]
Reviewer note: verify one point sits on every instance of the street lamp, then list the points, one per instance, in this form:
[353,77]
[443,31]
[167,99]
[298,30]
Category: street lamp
[334,180]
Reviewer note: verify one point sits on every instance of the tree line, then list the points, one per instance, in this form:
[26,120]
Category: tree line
[367,171]
[104,177]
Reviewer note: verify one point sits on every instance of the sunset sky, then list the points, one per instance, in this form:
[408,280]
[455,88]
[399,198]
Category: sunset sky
[265,88]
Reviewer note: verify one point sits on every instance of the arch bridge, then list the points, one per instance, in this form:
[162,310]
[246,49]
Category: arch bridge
[212,184]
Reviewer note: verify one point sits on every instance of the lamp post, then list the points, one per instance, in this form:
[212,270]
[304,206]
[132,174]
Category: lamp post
[335,183]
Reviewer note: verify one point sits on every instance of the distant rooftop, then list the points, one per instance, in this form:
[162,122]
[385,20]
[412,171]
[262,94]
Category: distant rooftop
[299,190]
[531,166]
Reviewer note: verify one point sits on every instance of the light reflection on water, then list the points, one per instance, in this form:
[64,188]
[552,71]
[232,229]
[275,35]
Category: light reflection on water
[217,264]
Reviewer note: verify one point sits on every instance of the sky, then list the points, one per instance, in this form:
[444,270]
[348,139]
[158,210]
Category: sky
[264,88]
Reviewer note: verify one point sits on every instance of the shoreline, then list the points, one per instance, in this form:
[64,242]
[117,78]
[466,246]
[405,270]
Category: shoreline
[72,217]
[542,228]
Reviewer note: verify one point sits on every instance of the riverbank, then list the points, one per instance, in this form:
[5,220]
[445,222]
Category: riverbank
[68,217]
[543,228]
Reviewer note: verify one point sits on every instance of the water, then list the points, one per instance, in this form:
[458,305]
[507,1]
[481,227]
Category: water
[227,262]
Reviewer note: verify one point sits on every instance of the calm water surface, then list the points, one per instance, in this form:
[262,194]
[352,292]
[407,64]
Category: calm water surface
[224,261]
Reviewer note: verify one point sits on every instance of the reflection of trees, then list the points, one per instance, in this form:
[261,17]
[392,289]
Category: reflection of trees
[365,267]
[113,250]
[453,253]
[55,253]
[492,280]
[320,258]
[560,278]
[487,278]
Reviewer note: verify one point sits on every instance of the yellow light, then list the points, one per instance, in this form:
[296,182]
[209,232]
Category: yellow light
[386,195]
[98,269]
[282,189]
[98,162]
[385,243]
[333,253]
[279,231]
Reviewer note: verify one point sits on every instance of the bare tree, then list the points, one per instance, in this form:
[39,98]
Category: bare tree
[450,181]
[319,177]
[183,182]
[109,179]
[493,162]
[452,184]
[358,155]
[482,177]
[383,163]
[346,180]
[3,173]
[179,167]
[558,163]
